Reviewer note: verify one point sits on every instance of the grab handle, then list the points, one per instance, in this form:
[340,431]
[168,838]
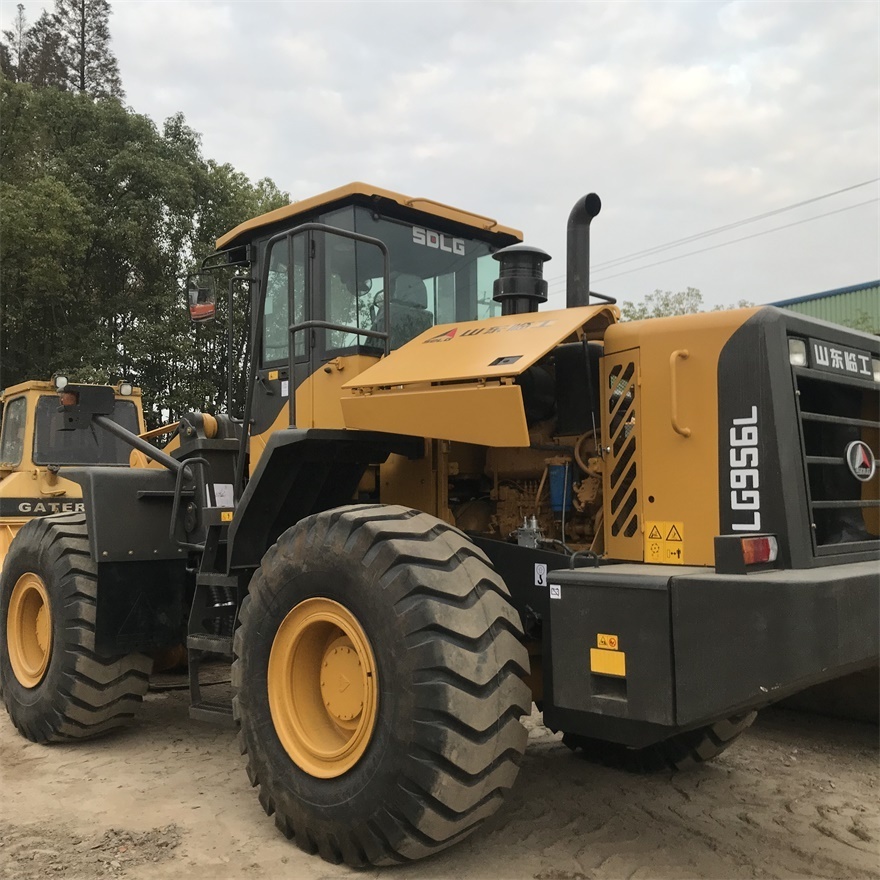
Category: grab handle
[683,354]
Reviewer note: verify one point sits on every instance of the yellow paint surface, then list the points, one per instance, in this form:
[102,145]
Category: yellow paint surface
[488,415]
[678,474]
[493,348]
[608,662]
[305,206]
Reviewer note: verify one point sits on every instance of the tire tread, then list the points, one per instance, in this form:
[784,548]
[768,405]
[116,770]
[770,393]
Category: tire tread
[96,694]
[464,636]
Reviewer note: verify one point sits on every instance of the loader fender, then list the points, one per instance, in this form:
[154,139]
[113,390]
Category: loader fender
[141,570]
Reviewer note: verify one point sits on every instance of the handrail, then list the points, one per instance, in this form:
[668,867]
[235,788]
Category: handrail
[683,354]
[187,467]
[341,328]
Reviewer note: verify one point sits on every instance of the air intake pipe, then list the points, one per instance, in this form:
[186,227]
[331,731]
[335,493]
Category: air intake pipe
[578,256]
[520,287]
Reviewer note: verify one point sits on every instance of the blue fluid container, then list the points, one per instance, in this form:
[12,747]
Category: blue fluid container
[560,487]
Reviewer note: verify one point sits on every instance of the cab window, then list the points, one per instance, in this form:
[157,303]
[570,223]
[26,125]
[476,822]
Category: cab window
[286,268]
[12,437]
[353,271]
[91,445]
[436,277]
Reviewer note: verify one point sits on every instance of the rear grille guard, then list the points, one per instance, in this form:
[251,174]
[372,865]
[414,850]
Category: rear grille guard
[834,411]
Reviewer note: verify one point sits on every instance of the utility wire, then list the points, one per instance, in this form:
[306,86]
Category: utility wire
[609,264]
[744,238]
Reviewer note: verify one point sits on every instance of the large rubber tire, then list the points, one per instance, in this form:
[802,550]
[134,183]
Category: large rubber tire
[449,664]
[78,694]
[683,751]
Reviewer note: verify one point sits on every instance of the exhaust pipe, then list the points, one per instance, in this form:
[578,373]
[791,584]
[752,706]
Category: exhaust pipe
[578,256]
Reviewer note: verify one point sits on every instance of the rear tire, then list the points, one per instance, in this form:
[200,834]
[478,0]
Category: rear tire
[438,739]
[54,685]
[683,751]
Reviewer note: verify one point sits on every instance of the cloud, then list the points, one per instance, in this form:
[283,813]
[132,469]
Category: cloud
[682,116]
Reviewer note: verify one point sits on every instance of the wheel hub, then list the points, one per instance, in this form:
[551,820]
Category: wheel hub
[342,685]
[323,689]
[29,630]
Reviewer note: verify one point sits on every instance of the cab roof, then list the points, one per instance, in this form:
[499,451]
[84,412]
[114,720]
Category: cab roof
[48,387]
[426,205]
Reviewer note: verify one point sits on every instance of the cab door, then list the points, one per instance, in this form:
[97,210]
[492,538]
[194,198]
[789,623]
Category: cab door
[324,288]
[283,357]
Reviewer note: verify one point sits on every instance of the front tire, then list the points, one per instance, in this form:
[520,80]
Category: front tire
[378,685]
[54,685]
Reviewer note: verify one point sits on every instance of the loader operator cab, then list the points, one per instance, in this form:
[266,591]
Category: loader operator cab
[435,277]
[31,435]
[339,280]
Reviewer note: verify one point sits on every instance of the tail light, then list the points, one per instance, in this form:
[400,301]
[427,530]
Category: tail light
[740,554]
[759,549]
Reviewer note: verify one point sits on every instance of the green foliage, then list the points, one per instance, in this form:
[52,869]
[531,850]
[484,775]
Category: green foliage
[85,47]
[67,48]
[103,217]
[863,321]
[665,303]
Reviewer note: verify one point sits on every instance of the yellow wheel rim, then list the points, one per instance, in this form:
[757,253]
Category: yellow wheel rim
[323,688]
[29,630]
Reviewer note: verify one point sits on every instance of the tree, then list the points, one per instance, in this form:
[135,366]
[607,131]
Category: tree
[665,303]
[91,65]
[6,66]
[103,217]
[33,54]
[42,61]
[15,42]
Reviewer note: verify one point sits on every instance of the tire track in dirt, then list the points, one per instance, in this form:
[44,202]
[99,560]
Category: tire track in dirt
[797,796]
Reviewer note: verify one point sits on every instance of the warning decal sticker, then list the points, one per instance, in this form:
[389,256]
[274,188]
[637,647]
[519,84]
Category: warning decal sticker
[664,543]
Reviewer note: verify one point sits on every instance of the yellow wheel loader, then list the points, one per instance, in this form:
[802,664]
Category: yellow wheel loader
[445,502]
[34,454]
[46,612]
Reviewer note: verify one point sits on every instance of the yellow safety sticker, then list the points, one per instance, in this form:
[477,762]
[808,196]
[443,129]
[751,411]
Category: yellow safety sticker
[603,640]
[664,542]
[608,662]
[273,374]
[226,516]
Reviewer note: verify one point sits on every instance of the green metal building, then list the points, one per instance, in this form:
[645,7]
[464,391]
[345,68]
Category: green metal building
[857,306]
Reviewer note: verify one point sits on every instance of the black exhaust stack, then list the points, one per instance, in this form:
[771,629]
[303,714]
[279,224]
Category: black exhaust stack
[520,287]
[578,257]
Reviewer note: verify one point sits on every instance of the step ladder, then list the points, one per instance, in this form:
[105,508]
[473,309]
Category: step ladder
[212,620]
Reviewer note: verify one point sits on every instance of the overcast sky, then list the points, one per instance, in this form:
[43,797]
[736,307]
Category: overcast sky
[682,116]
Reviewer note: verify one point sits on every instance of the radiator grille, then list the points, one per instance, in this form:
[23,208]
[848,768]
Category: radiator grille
[835,412]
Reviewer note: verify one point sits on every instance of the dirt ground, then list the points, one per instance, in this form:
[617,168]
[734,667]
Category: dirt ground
[797,796]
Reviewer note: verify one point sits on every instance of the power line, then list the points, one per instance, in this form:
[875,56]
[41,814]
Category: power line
[744,238]
[609,264]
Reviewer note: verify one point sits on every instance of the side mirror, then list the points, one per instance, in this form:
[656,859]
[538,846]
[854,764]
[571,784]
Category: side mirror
[202,302]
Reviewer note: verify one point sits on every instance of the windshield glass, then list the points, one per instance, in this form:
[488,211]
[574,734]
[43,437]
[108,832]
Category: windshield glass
[92,445]
[435,278]
[12,438]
